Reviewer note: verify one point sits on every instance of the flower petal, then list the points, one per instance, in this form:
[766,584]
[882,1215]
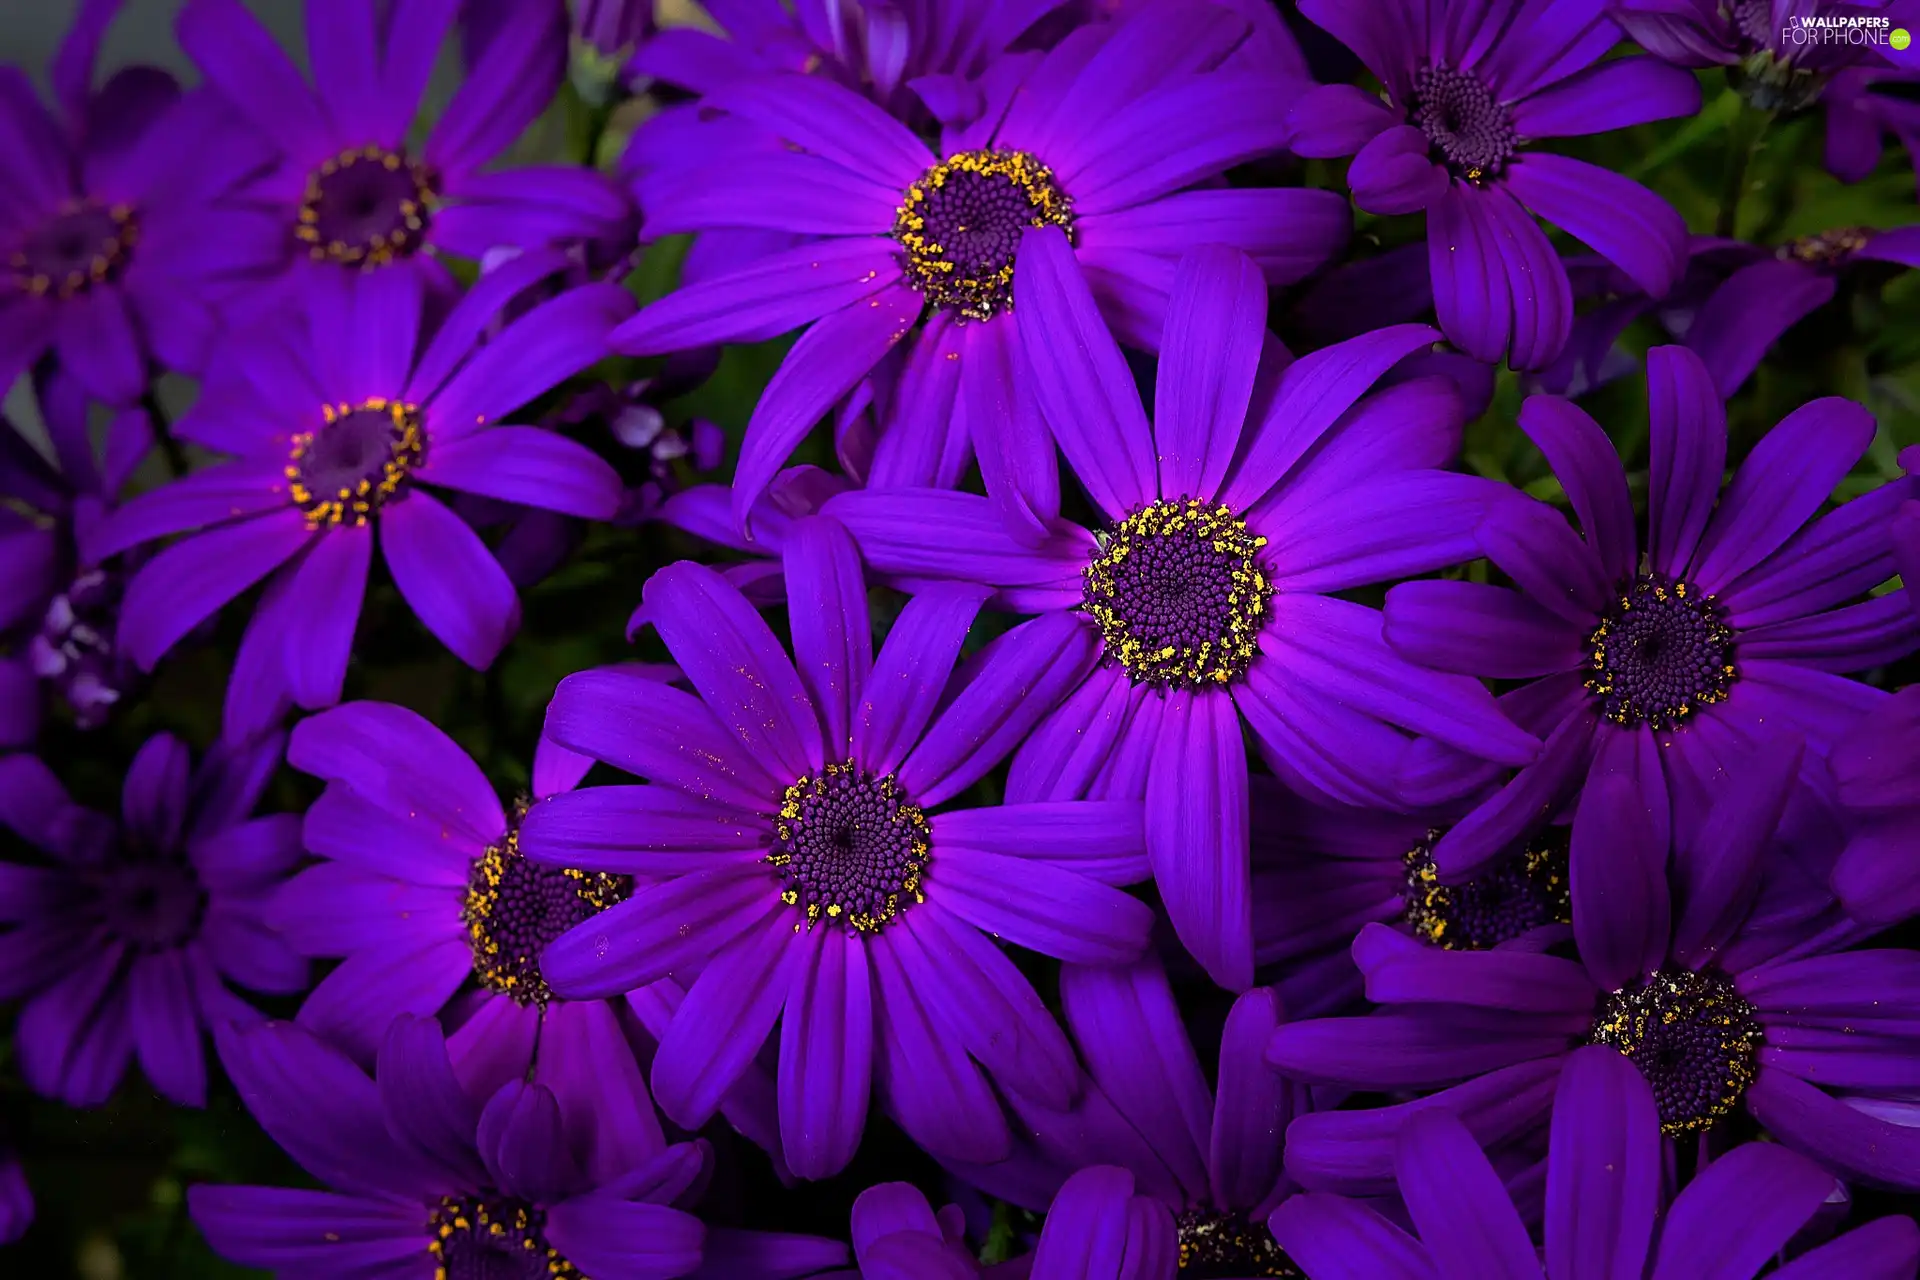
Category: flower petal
[1216,320]
[449,578]
[1196,807]
[1782,483]
[832,630]
[1603,1169]
[1739,1212]
[1079,376]
[731,657]
[654,731]
[1129,1031]
[1615,216]
[824,365]
[1465,1217]
[187,583]
[1688,447]
[826,1052]
[529,467]
[1008,687]
[724,1020]
[1335,1238]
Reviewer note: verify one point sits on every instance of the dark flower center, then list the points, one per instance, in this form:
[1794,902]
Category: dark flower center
[851,847]
[1179,594]
[1464,125]
[360,457]
[515,908]
[1828,248]
[1514,895]
[1659,654]
[152,903]
[366,207]
[74,649]
[1692,1036]
[961,225]
[84,244]
[1229,1246]
[503,1239]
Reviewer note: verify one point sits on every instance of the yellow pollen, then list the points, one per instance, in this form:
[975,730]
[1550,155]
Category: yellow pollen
[354,503]
[960,225]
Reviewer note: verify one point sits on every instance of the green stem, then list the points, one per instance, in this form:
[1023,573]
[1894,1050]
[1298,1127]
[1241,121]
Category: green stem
[597,123]
[1743,140]
[170,448]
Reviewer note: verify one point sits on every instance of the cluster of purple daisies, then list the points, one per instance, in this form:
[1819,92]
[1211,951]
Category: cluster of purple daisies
[1153,767]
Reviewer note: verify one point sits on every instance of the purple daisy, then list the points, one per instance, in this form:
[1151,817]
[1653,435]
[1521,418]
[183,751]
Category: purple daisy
[339,426]
[1468,87]
[427,1178]
[1207,595]
[1737,1217]
[1773,67]
[116,250]
[1106,139]
[1210,1156]
[1097,1228]
[797,864]
[124,938]
[1734,991]
[906,58]
[1864,106]
[1321,874]
[1659,668]
[1877,767]
[1767,293]
[425,896]
[1734,301]
[57,607]
[343,189]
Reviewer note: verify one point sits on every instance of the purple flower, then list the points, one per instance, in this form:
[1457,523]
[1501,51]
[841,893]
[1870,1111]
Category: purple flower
[423,887]
[898,1236]
[61,608]
[1864,104]
[1468,87]
[905,58]
[337,424]
[1604,1194]
[1321,874]
[124,937]
[1097,1228]
[797,863]
[1210,1156]
[606,34]
[1207,594]
[1733,303]
[344,190]
[1769,292]
[1877,768]
[426,1177]
[1103,140]
[1657,669]
[1724,990]
[1773,69]
[116,250]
